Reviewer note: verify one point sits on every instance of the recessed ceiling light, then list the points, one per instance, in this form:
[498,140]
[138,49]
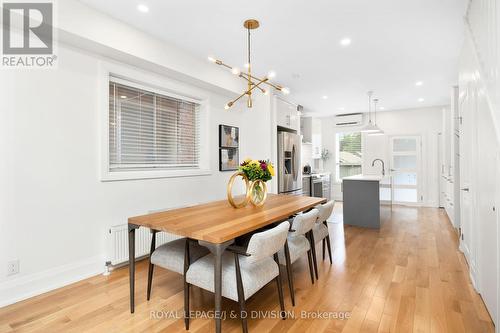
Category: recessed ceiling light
[420,99]
[143,8]
[123,96]
[345,41]
[381,108]
[342,109]
[419,83]
[324,97]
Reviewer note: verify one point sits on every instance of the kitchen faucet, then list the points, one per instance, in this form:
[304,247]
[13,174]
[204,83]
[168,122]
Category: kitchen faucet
[383,165]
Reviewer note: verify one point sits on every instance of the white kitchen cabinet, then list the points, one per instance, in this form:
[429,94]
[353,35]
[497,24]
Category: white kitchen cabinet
[455,154]
[286,114]
[306,129]
[450,172]
[311,133]
[316,138]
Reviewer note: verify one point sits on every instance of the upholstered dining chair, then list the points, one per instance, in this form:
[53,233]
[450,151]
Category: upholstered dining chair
[298,244]
[171,255]
[244,271]
[320,232]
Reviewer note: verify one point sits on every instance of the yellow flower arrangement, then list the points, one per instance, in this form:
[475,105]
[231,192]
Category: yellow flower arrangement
[257,169]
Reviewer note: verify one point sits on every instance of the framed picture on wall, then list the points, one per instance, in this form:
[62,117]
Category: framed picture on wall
[228,159]
[229,136]
[229,152]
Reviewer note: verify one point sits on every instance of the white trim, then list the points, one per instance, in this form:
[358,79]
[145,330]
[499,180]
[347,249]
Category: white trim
[109,176]
[472,268]
[15,290]
[133,82]
[161,84]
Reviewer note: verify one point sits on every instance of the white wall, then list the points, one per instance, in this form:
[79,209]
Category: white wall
[425,122]
[306,155]
[55,212]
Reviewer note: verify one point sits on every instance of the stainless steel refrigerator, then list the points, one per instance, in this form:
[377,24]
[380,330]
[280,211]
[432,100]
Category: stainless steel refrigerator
[289,173]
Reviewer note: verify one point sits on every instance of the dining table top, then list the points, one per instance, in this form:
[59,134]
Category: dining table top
[217,221]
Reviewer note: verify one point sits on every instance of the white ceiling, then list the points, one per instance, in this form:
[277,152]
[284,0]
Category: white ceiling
[394,44]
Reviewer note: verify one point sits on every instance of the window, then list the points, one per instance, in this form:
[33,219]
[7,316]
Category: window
[349,156]
[151,131]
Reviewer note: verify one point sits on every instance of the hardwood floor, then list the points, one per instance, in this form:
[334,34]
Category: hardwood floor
[407,277]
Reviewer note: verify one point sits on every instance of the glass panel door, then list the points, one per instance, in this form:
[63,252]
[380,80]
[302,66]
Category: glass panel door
[405,169]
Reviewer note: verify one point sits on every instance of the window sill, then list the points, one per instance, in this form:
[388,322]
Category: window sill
[110,176]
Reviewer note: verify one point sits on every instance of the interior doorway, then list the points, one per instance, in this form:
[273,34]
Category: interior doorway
[405,155]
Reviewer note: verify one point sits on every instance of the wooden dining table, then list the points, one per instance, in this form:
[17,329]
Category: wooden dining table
[215,225]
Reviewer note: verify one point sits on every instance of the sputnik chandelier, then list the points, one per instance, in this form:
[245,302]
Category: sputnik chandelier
[253,82]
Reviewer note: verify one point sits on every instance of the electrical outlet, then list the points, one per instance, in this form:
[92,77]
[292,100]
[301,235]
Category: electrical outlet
[13,267]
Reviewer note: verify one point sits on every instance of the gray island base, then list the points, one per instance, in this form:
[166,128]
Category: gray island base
[362,204]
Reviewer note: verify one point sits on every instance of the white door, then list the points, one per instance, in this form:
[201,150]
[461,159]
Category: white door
[486,219]
[405,169]
[467,190]
[478,178]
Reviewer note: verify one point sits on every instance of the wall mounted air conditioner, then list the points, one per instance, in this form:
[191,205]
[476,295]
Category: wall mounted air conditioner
[349,119]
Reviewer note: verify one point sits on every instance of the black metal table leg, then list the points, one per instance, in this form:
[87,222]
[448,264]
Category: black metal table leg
[217,250]
[131,263]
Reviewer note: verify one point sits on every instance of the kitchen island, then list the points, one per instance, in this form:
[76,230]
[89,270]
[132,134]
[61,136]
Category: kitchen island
[367,203]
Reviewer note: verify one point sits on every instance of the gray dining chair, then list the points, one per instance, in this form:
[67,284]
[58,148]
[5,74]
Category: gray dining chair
[244,271]
[298,244]
[320,232]
[171,255]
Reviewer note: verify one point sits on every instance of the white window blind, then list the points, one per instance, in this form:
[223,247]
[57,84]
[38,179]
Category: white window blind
[349,155]
[148,130]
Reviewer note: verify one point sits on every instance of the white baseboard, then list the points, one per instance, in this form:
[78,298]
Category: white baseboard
[432,204]
[18,289]
[472,267]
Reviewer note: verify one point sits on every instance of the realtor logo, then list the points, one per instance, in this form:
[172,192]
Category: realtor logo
[27,34]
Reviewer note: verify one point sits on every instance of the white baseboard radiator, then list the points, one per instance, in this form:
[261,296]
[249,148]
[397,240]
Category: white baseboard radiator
[119,242]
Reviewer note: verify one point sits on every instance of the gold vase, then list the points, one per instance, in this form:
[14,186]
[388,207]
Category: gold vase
[256,191]
[230,184]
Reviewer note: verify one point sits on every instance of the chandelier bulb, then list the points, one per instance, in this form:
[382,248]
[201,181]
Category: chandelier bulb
[212,59]
[235,70]
[285,91]
[271,75]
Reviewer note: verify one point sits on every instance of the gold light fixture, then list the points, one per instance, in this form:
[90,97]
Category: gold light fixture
[253,81]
